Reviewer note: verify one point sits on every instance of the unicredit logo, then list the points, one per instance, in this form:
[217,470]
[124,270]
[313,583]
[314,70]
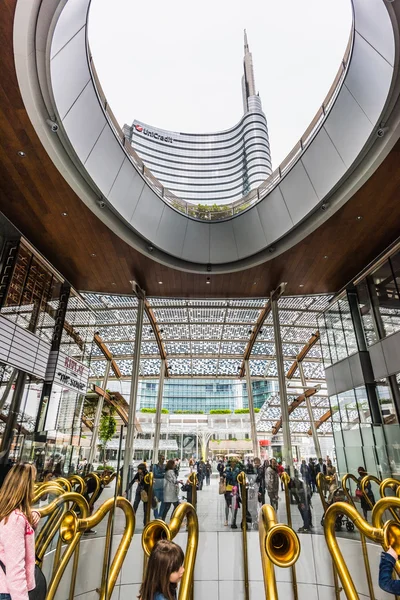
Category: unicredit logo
[154,134]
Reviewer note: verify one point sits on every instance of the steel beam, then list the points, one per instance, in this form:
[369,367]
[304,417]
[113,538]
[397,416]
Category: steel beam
[158,413]
[254,439]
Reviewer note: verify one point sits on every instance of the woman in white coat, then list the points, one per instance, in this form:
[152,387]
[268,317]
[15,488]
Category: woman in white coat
[170,489]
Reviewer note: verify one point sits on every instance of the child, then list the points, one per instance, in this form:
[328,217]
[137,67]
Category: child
[164,572]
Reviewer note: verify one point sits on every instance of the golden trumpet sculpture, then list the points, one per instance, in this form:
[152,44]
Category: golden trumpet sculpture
[241,479]
[387,535]
[279,546]
[157,530]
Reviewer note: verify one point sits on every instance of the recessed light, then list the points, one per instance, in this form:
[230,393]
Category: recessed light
[21,153]
[359,218]
[254,282]
[93,254]
[160,282]
[64,214]
[301,285]
[326,256]
[208,280]
[113,283]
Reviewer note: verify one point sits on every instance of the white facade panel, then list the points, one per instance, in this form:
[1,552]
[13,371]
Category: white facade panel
[196,247]
[105,160]
[147,214]
[126,189]
[348,127]
[369,78]
[222,243]
[71,20]
[323,164]
[298,192]
[171,231]
[69,82]
[249,234]
[85,122]
[373,23]
[274,216]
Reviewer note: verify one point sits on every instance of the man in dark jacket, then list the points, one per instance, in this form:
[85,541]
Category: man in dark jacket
[302,493]
[201,473]
[142,487]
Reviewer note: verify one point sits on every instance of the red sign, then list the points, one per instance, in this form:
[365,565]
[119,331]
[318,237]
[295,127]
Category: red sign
[265,443]
[139,128]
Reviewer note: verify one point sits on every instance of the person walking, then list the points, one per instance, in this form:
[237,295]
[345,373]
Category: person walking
[142,489]
[170,489]
[320,467]
[272,483]
[208,469]
[260,480]
[368,490]
[201,472]
[333,485]
[220,467]
[232,499]
[302,492]
[17,540]
[158,484]
[313,482]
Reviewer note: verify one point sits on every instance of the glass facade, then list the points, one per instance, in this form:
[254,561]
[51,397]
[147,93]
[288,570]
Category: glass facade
[199,395]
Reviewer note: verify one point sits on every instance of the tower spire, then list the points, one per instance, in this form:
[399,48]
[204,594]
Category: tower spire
[248,82]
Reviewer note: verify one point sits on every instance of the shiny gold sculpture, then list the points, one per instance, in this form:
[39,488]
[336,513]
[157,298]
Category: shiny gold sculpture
[363,484]
[77,482]
[285,478]
[279,546]
[157,530]
[387,535]
[241,479]
[97,490]
[71,530]
[148,479]
[193,482]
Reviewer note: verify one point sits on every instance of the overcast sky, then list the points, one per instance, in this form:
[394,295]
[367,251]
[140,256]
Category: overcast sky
[178,65]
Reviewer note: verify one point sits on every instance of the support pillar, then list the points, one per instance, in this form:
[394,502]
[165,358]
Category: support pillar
[287,442]
[96,424]
[13,412]
[130,434]
[253,429]
[310,413]
[158,412]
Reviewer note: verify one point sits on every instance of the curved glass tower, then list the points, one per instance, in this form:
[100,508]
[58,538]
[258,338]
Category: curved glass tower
[212,168]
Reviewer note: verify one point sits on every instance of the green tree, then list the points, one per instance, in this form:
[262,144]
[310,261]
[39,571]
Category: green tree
[107,429]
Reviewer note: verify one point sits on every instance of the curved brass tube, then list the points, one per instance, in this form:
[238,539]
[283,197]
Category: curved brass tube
[71,530]
[321,479]
[279,545]
[386,535]
[364,481]
[285,478]
[367,566]
[193,482]
[241,479]
[388,483]
[77,480]
[50,487]
[96,492]
[64,483]
[157,530]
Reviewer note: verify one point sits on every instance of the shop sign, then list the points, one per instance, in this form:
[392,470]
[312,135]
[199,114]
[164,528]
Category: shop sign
[66,371]
[153,134]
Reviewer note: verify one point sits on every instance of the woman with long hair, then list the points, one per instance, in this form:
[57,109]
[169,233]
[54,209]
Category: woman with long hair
[164,572]
[17,539]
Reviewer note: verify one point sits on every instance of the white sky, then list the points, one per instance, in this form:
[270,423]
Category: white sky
[178,65]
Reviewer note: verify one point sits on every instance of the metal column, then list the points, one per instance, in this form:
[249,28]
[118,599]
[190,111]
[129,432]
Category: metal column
[256,447]
[310,413]
[287,442]
[130,434]
[12,418]
[96,424]
[158,412]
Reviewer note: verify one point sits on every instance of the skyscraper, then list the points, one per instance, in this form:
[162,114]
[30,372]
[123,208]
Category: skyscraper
[210,168]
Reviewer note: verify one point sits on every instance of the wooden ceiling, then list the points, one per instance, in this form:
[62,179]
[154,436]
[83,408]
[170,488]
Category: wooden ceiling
[33,195]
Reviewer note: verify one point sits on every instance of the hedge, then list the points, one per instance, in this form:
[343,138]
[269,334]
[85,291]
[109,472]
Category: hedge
[164,411]
[189,412]
[244,411]
[220,411]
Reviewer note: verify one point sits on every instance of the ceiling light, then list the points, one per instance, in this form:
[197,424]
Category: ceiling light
[93,254]
[301,285]
[21,153]
[359,218]
[113,283]
[255,283]
[64,214]
[160,282]
[208,280]
[326,256]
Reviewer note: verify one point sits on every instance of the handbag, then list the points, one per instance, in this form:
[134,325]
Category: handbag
[222,487]
[39,592]
[143,496]
[359,494]
[154,502]
[228,488]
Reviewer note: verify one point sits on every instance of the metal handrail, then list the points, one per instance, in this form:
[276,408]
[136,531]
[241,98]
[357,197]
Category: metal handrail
[222,212]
